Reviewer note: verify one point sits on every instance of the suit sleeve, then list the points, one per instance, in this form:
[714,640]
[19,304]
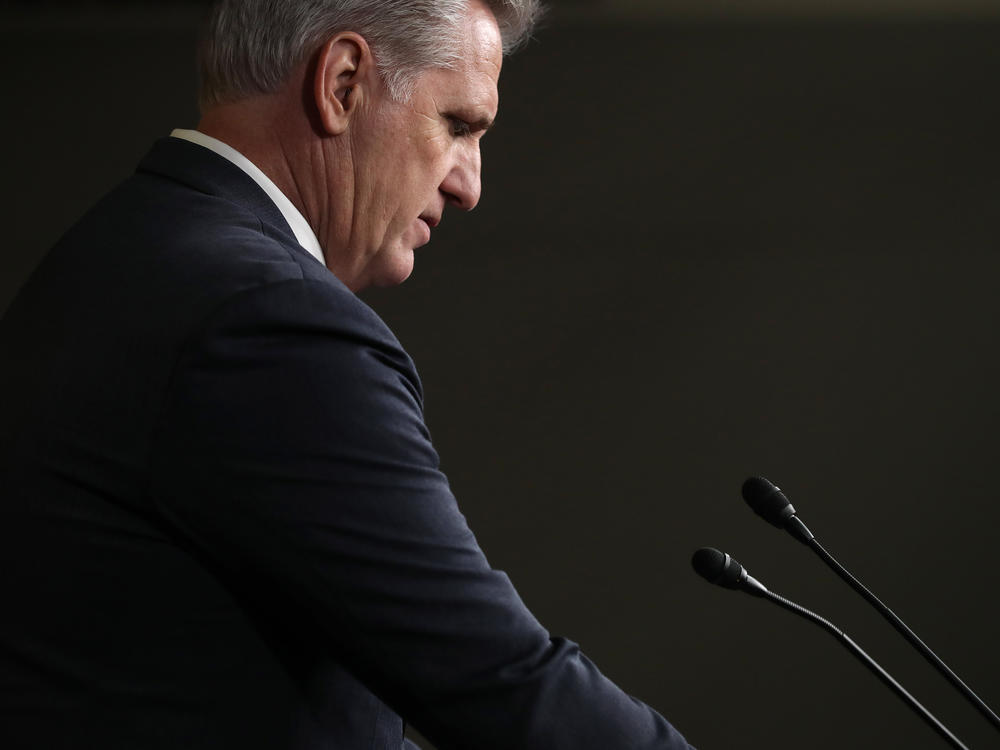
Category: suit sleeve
[292,450]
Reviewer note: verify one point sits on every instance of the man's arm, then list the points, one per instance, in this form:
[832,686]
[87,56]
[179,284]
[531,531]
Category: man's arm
[293,452]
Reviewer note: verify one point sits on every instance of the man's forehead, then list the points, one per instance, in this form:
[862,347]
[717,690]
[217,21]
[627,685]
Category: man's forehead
[482,43]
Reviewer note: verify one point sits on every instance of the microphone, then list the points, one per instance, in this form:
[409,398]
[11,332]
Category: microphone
[721,569]
[770,503]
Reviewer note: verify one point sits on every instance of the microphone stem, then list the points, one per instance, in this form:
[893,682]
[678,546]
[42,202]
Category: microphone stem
[865,659]
[903,630]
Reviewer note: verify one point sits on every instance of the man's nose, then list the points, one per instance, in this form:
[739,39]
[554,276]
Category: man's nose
[463,185]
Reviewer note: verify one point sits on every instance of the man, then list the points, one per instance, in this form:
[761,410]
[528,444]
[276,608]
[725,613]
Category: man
[223,524]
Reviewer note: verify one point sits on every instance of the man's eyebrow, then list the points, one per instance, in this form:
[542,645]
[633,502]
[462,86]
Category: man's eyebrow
[476,124]
[482,123]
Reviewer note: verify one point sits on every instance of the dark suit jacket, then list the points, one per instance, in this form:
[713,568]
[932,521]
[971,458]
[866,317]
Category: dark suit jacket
[222,521]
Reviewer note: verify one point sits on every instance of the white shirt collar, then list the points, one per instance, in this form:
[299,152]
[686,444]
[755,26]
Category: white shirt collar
[300,227]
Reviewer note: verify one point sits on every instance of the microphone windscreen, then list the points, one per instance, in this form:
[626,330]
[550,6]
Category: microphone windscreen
[767,501]
[709,563]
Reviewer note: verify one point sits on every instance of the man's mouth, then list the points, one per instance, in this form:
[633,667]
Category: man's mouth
[429,221]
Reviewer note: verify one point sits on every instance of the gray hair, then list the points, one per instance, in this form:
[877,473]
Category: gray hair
[251,46]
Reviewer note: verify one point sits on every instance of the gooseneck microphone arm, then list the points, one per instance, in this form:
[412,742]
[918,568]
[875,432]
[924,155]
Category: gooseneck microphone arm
[721,569]
[905,631]
[769,502]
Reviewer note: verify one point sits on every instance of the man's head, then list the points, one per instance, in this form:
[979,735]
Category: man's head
[366,114]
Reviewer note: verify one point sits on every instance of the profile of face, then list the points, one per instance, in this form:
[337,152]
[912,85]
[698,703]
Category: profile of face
[411,159]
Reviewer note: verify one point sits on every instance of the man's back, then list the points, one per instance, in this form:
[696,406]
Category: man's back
[118,628]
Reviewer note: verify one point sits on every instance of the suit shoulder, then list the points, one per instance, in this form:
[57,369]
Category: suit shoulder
[158,244]
[199,230]
[306,306]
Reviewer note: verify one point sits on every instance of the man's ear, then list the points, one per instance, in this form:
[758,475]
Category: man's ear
[344,68]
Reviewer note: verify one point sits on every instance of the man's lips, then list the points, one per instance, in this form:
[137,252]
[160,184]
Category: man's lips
[429,223]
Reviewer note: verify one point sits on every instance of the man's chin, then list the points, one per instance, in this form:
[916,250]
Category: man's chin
[394,270]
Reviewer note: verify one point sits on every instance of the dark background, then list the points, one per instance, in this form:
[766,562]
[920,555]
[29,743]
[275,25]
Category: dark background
[708,247]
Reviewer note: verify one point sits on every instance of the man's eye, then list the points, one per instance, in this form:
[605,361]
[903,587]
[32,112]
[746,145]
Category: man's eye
[459,127]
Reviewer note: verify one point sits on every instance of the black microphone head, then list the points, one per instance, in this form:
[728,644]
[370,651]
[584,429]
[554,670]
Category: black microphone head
[767,501]
[718,568]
